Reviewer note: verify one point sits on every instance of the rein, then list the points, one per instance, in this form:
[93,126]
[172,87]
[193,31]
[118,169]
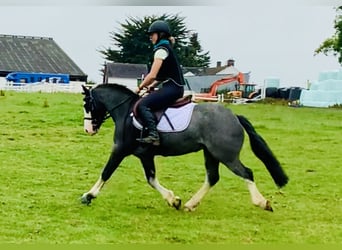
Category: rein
[109,111]
[117,105]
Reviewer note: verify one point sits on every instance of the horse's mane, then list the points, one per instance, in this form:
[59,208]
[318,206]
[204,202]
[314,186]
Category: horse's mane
[116,86]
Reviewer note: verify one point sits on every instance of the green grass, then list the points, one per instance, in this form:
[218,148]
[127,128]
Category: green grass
[47,162]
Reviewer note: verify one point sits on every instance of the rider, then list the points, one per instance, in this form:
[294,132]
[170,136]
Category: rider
[166,73]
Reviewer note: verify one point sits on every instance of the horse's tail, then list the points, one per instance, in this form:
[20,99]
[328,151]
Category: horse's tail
[264,153]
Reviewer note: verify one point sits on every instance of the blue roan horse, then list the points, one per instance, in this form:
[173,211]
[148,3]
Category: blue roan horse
[212,128]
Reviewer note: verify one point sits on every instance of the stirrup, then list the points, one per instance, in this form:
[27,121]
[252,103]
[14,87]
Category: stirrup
[150,140]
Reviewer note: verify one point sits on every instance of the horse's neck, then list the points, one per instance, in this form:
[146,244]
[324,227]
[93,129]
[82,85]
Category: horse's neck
[118,102]
[121,110]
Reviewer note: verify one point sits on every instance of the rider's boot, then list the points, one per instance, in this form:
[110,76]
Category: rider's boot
[149,121]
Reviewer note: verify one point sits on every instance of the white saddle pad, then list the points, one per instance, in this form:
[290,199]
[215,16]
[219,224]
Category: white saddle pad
[179,118]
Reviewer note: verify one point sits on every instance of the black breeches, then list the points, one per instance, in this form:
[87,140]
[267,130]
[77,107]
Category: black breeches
[162,97]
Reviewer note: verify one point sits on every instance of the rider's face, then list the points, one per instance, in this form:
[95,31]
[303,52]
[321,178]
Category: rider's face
[153,37]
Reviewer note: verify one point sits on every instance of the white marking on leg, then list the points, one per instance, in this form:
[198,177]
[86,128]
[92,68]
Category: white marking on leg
[256,196]
[167,194]
[95,190]
[196,199]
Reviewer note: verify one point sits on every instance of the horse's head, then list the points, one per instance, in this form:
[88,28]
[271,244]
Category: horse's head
[94,112]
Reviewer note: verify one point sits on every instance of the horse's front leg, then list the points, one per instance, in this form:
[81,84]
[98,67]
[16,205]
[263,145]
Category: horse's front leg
[93,192]
[114,160]
[150,173]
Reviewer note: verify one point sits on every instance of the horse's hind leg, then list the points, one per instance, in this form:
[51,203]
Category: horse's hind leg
[257,198]
[212,177]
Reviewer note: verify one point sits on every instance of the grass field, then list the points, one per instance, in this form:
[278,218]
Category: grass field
[47,162]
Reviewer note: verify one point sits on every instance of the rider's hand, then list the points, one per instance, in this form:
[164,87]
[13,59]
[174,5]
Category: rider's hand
[150,88]
[138,90]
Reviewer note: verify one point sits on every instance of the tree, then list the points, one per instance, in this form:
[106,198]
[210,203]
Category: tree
[134,46]
[193,55]
[333,44]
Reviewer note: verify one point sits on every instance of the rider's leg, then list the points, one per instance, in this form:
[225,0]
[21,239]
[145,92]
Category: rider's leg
[149,121]
[157,100]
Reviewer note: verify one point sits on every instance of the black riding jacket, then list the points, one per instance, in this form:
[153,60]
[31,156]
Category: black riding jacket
[170,68]
[172,86]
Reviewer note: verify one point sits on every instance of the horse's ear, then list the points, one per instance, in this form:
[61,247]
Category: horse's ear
[85,89]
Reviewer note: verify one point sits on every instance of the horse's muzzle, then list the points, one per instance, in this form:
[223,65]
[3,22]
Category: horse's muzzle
[90,132]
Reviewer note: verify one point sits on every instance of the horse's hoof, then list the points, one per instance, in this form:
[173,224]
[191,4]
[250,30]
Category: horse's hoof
[268,206]
[86,199]
[177,203]
[189,209]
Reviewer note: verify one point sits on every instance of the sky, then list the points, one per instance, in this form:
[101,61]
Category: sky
[268,38]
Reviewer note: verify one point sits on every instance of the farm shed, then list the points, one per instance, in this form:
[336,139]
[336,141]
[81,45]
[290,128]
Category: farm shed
[126,74]
[36,54]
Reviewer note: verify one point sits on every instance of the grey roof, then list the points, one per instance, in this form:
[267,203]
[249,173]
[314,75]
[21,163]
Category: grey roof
[204,71]
[125,70]
[200,83]
[36,54]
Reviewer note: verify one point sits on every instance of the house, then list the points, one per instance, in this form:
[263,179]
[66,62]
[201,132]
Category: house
[198,79]
[127,74]
[32,54]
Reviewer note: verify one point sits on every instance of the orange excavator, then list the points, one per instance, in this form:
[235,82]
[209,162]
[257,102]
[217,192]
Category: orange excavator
[212,95]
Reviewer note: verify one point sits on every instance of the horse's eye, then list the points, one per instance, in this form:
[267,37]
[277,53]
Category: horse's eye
[86,106]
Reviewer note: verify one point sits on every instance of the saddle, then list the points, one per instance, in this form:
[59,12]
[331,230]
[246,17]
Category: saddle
[180,102]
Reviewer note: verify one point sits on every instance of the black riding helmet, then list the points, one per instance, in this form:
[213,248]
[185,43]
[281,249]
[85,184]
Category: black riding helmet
[159,26]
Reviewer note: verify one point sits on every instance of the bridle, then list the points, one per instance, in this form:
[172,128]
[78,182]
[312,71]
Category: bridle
[90,105]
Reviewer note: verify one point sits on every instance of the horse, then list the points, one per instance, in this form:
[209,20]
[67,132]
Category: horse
[212,128]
